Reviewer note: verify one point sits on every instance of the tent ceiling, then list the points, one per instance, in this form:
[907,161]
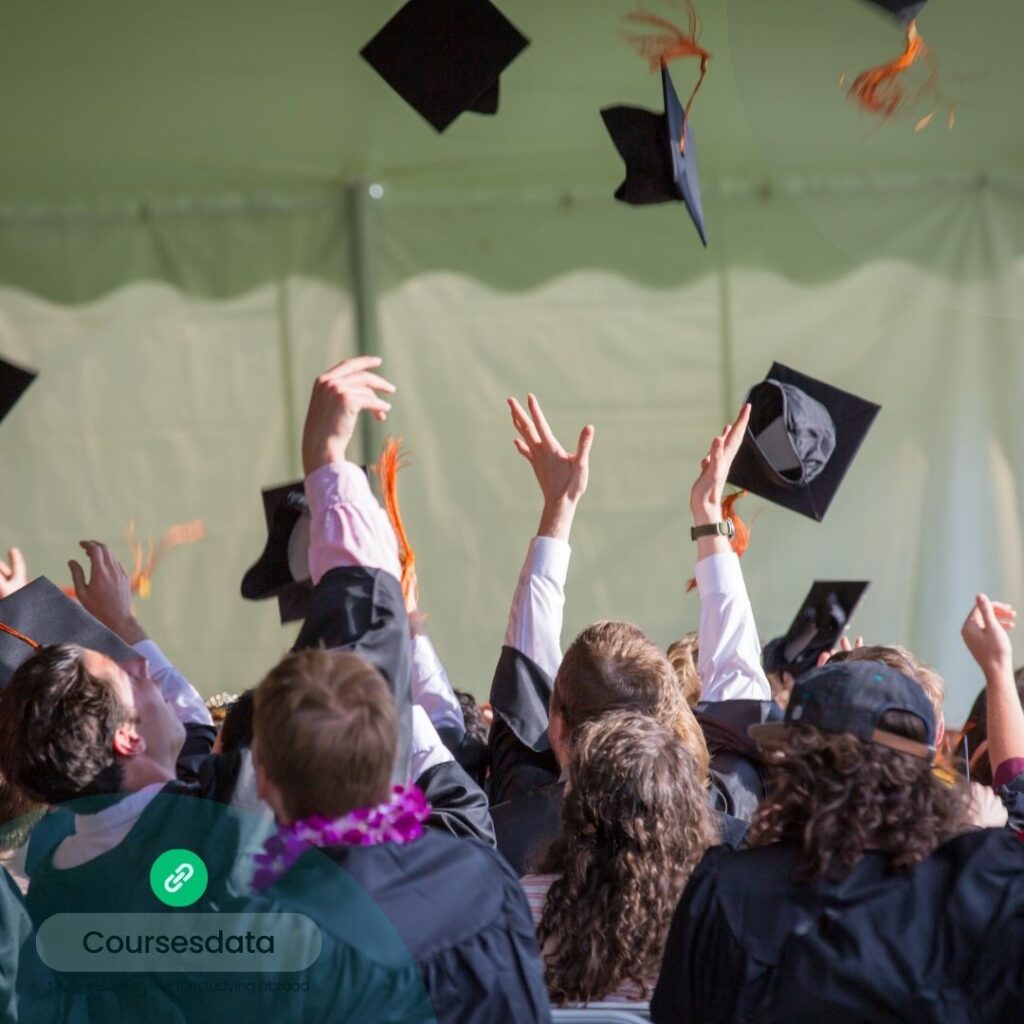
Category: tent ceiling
[117,99]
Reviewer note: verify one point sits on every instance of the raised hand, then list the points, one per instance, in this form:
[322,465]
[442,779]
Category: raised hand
[339,396]
[985,634]
[108,593]
[13,573]
[562,476]
[844,645]
[706,493]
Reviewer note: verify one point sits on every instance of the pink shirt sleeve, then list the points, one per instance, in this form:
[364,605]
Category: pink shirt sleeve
[347,525]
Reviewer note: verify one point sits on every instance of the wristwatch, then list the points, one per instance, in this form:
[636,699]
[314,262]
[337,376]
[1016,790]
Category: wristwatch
[723,529]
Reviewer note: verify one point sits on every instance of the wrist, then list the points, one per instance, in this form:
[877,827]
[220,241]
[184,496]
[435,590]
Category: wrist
[706,513]
[128,630]
[556,519]
[330,452]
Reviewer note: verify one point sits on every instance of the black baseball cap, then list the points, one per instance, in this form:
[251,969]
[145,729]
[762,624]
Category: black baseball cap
[282,570]
[824,615]
[901,9]
[802,438]
[853,696]
[444,57]
[660,154]
[42,613]
[14,381]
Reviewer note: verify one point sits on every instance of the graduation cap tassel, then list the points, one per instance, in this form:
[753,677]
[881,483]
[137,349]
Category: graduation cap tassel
[879,90]
[181,533]
[741,540]
[391,461]
[11,631]
[669,42]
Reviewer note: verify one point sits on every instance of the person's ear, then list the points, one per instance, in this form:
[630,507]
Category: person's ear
[940,731]
[128,741]
[558,735]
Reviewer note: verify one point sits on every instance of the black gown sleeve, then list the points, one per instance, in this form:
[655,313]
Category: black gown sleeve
[703,971]
[362,610]
[458,805]
[519,752]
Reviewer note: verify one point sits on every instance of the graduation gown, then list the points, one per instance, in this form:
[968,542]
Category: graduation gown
[937,943]
[437,930]
[524,787]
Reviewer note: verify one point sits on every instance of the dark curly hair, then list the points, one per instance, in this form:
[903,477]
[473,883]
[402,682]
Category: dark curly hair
[58,721]
[837,796]
[634,824]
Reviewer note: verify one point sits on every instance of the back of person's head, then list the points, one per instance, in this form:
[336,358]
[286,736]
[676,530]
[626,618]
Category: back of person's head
[837,795]
[683,656]
[236,729]
[325,733]
[59,721]
[613,666]
[635,823]
[903,661]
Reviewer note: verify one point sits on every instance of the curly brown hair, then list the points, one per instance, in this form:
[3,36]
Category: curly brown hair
[837,796]
[683,655]
[634,825]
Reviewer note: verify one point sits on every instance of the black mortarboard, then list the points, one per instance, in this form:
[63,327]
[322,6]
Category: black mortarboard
[660,154]
[282,571]
[14,380]
[802,437]
[42,612]
[906,12]
[821,621]
[444,57]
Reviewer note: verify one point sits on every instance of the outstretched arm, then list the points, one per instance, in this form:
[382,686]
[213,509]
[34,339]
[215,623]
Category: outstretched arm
[107,596]
[729,655]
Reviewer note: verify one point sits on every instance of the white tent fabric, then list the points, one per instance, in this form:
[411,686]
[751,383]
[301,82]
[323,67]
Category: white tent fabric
[166,407]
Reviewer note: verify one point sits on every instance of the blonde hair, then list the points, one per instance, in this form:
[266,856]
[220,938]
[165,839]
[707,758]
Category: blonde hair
[683,655]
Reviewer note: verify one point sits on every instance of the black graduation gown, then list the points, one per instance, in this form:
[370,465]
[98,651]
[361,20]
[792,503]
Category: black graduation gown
[524,786]
[737,770]
[937,943]
[435,930]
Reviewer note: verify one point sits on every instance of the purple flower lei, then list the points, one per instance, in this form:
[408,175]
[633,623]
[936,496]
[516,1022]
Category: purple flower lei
[399,820]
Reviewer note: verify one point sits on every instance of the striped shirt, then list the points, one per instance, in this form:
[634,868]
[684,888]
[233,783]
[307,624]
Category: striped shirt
[536,889]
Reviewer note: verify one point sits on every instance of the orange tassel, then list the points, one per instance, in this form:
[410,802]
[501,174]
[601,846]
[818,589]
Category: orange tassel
[11,631]
[391,461]
[878,90]
[741,541]
[669,42]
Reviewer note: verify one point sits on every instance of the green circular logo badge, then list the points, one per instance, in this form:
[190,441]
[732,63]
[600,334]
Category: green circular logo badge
[178,878]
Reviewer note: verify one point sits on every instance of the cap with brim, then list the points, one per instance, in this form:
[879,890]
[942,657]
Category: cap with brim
[802,439]
[660,154]
[42,613]
[14,381]
[282,570]
[905,12]
[823,617]
[853,697]
[444,57]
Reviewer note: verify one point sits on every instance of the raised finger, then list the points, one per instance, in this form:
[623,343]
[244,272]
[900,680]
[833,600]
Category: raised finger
[368,380]
[522,447]
[584,444]
[353,365]
[738,429]
[522,423]
[18,567]
[542,424]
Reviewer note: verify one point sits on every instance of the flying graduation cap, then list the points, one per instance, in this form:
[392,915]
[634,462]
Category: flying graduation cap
[282,570]
[444,57]
[802,437]
[40,614]
[660,154]
[905,12]
[823,617]
[14,381]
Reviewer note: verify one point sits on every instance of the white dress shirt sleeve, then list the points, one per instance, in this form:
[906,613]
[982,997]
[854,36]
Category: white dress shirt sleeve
[535,619]
[729,655]
[431,688]
[177,690]
[427,748]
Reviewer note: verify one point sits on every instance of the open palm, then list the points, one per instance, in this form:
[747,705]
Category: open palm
[562,476]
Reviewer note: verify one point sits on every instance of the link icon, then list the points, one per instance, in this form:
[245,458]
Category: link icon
[178,878]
